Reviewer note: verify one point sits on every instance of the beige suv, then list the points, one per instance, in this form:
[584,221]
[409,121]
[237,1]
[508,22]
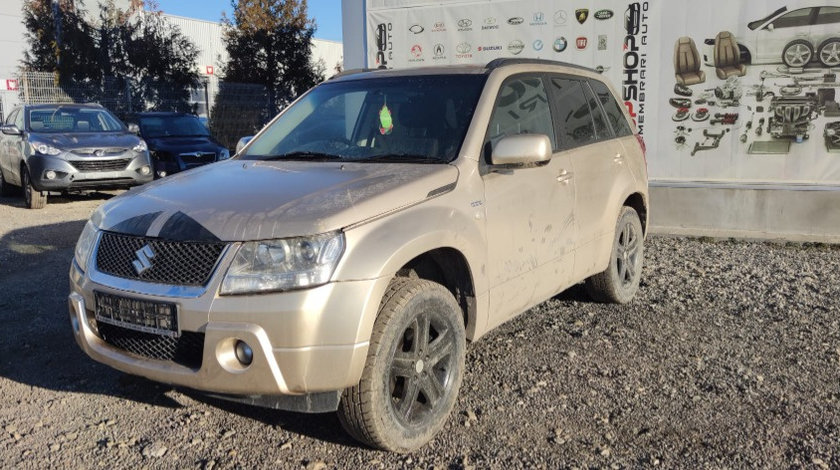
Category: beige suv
[344,257]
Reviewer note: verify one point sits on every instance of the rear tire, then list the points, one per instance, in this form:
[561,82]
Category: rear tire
[829,52]
[620,281]
[414,368]
[34,199]
[797,53]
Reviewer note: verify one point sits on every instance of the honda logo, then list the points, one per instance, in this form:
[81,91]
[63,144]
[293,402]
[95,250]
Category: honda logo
[144,259]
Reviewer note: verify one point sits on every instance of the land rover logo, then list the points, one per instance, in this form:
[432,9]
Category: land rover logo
[560,44]
[416,29]
[144,259]
[464,23]
[582,15]
[516,20]
[603,14]
[516,46]
[463,48]
[99,153]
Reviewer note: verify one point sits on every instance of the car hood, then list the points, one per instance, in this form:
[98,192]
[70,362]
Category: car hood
[177,145]
[87,139]
[251,200]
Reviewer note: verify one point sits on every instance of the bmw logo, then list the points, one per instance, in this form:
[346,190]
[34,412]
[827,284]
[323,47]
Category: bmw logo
[560,44]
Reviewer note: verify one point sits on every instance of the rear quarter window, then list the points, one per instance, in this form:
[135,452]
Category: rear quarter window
[614,112]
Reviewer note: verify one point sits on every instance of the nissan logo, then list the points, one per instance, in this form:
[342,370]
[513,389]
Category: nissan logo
[416,29]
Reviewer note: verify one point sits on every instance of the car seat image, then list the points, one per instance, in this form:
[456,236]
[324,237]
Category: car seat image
[728,57]
[687,62]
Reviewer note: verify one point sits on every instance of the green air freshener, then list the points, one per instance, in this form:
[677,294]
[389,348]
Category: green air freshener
[386,122]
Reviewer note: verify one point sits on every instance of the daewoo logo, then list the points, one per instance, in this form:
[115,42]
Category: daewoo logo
[144,259]
[516,20]
[603,14]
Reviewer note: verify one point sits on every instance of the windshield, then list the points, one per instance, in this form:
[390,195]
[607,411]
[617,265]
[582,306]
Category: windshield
[172,126]
[757,23]
[63,119]
[420,119]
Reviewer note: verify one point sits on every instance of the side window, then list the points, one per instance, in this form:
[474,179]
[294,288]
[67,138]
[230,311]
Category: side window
[615,114]
[602,130]
[829,15]
[796,18]
[575,119]
[521,108]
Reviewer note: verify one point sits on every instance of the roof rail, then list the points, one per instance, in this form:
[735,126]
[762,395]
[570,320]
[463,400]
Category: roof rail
[496,63]
[344,73]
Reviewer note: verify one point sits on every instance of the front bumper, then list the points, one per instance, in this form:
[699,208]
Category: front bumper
[91,175]
[303,342]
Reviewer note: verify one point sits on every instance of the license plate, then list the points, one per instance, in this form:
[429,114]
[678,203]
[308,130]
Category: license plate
[135,314]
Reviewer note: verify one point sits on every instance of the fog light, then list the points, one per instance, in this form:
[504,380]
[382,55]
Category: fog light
[244,354]
[145,170]
[161,174]
[50,175]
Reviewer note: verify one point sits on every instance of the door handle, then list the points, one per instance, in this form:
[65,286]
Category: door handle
[564,177]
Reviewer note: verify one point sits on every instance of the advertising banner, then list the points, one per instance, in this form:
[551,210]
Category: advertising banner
[723,92]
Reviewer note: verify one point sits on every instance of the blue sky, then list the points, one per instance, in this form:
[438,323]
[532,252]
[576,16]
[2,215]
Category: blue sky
[327,13]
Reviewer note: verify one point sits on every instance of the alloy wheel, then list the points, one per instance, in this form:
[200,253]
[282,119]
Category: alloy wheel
[627,254]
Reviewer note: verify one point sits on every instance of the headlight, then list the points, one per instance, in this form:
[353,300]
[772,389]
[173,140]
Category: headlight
[224,154]
[141,146]
[44,149]
[291,263]
[85,245]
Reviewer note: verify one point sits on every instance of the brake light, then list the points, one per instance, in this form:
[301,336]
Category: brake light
[643,146]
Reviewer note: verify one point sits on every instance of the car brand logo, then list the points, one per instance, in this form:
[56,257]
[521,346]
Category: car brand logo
[582,14]
[464,23]
[144,259]
[416,50]
[601,69]
[538,45]
[439,27]
[581,43]
[560,44]
[539,17]
[516,46]
[632,19]
[416,29]
[439,51]
[603,14]
[560,17]
[602,42]
[463,48]
[99,153]
[516,20]
[489,23]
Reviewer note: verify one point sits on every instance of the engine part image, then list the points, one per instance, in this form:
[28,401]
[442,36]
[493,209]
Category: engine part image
[681,135]
[680,140]
[700,101]
[725,118]
[771,147]
[759,109]
[832,109]
[680,102]
[790,90]
[792,117]
[824,95]
[832,136]
[715,141]
[747,128]
[682,90]
[829,77]
[760,128]
[700,115]
[681,115]
[730,90]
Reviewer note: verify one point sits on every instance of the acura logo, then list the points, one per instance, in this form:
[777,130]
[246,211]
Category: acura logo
[144,259]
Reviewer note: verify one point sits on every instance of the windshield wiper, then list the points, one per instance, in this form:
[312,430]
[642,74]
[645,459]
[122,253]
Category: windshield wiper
[306,156]
[401,158]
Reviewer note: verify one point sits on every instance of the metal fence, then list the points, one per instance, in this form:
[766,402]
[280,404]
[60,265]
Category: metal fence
[232,110]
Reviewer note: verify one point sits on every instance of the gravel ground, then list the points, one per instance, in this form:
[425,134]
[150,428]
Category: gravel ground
[728,358]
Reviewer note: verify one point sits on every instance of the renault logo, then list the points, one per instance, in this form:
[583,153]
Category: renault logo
[144,259]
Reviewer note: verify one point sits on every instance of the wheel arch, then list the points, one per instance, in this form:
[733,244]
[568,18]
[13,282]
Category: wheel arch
[639,204]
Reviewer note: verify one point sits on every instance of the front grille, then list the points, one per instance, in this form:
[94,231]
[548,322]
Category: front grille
[104,152]
[173,263]
[197,158]
[100,165]
[186,350]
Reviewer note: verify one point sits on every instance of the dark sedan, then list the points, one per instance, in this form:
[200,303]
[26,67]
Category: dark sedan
[178,141]
[68,148]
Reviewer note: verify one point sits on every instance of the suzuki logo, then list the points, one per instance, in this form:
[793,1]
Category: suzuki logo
[144,259]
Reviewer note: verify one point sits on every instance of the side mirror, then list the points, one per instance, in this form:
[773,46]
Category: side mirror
[11,129]
[522,149]
[770,27]
[243,142]
[134,128]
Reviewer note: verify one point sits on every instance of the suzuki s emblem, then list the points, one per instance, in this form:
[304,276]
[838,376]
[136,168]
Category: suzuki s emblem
[144,259]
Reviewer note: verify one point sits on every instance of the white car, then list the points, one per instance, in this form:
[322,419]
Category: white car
[792,37]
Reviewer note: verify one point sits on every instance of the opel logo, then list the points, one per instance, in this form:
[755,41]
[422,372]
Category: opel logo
[144,259]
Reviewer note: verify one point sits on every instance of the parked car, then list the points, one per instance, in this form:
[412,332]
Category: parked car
[178,141]
[344,257]
[68,148]
[792,37]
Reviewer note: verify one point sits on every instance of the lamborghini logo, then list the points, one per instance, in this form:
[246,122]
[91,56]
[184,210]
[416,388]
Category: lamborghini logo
[582,15]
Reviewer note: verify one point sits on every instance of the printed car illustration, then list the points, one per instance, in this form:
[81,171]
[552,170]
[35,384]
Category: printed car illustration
[792,37]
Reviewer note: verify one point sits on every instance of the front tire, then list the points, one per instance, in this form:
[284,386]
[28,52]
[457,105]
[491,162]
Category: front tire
[34,199]
[797,53]
[620,281]
[414,368]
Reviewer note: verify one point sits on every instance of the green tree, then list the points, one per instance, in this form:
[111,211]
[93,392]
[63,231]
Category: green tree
[269,42]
